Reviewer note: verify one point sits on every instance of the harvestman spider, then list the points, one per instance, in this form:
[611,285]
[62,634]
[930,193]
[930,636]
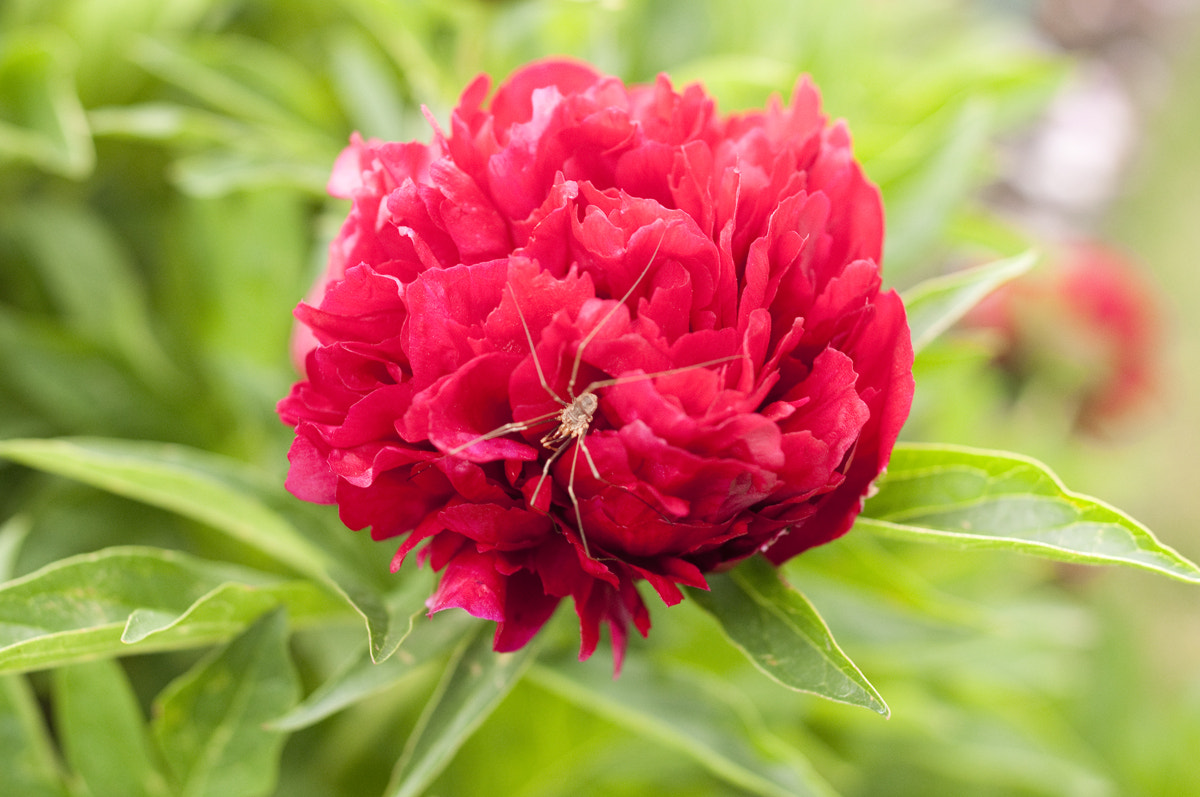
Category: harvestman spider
[575,416]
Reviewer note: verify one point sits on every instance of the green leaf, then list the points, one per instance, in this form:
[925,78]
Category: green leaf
[28,766]
[209,721]
[103,733]
[919,209]
[935,304]
[475,682]
[103,302]
[69,380]
[193,483]
[41,118]
[973,498]
[388,617]
[782,634]
[242,77]
[78,608]
[684,714]
[226,610]
[363,677]
[366,86]
[398,30]
[224,494]
[12,534]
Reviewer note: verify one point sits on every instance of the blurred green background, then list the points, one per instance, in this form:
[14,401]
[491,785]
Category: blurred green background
[162,210]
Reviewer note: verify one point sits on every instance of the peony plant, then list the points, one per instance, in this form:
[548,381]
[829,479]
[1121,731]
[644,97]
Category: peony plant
[589,343]
[598,335]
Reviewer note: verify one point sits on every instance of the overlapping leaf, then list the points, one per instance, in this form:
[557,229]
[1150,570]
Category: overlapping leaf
[782,634]
[988,499]
[474,683]
[682,715]
[209,723]
[935,304]
[81,607]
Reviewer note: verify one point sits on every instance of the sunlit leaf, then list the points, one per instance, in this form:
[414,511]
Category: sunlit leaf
[223,83]
[103,733]
[973,498]
[682,715]
[41,118]
[228,609]
[782,634]
[934,305]
[475,682]
[78,608]
[209,722]
[367,87]
[193,483]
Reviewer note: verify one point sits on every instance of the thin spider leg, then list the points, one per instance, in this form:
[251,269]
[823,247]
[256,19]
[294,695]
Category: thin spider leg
[575,502]
[508,428]
[533,351]
[596,473]
[500,431]
[619,380]
[596,329]
[546,470]
[591,462]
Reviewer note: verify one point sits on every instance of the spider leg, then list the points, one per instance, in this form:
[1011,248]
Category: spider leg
[533,352]
[575,501]
[546,470]
[596,329]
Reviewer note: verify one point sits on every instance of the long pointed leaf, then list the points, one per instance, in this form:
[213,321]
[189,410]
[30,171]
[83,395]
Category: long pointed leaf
[682,715]
[44,122]
[476,681]
[989,499]
[182,480]
[364,677]
[935,304]
[78,608]
[103,732]
[209,722]
[782,634]
[28,765]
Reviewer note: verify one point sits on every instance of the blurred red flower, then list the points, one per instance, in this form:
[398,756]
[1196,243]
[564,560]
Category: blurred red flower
[1086,326]
[599,334]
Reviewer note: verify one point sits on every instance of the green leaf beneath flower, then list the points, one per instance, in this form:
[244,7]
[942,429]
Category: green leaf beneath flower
[363,677]
[476,681]
[103,732]
[934,305]
[988,499]
[687,715]
[209,722]
[80,607]
[782,634]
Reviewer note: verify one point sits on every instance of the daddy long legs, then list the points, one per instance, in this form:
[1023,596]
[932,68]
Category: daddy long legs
[576,412]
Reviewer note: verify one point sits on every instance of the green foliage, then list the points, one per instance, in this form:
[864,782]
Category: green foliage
[781,632]
[162,209]
[986,499]
[103,733]
[209,721]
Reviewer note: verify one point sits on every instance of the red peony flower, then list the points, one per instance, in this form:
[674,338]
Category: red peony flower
[1085,327]
[596,335]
